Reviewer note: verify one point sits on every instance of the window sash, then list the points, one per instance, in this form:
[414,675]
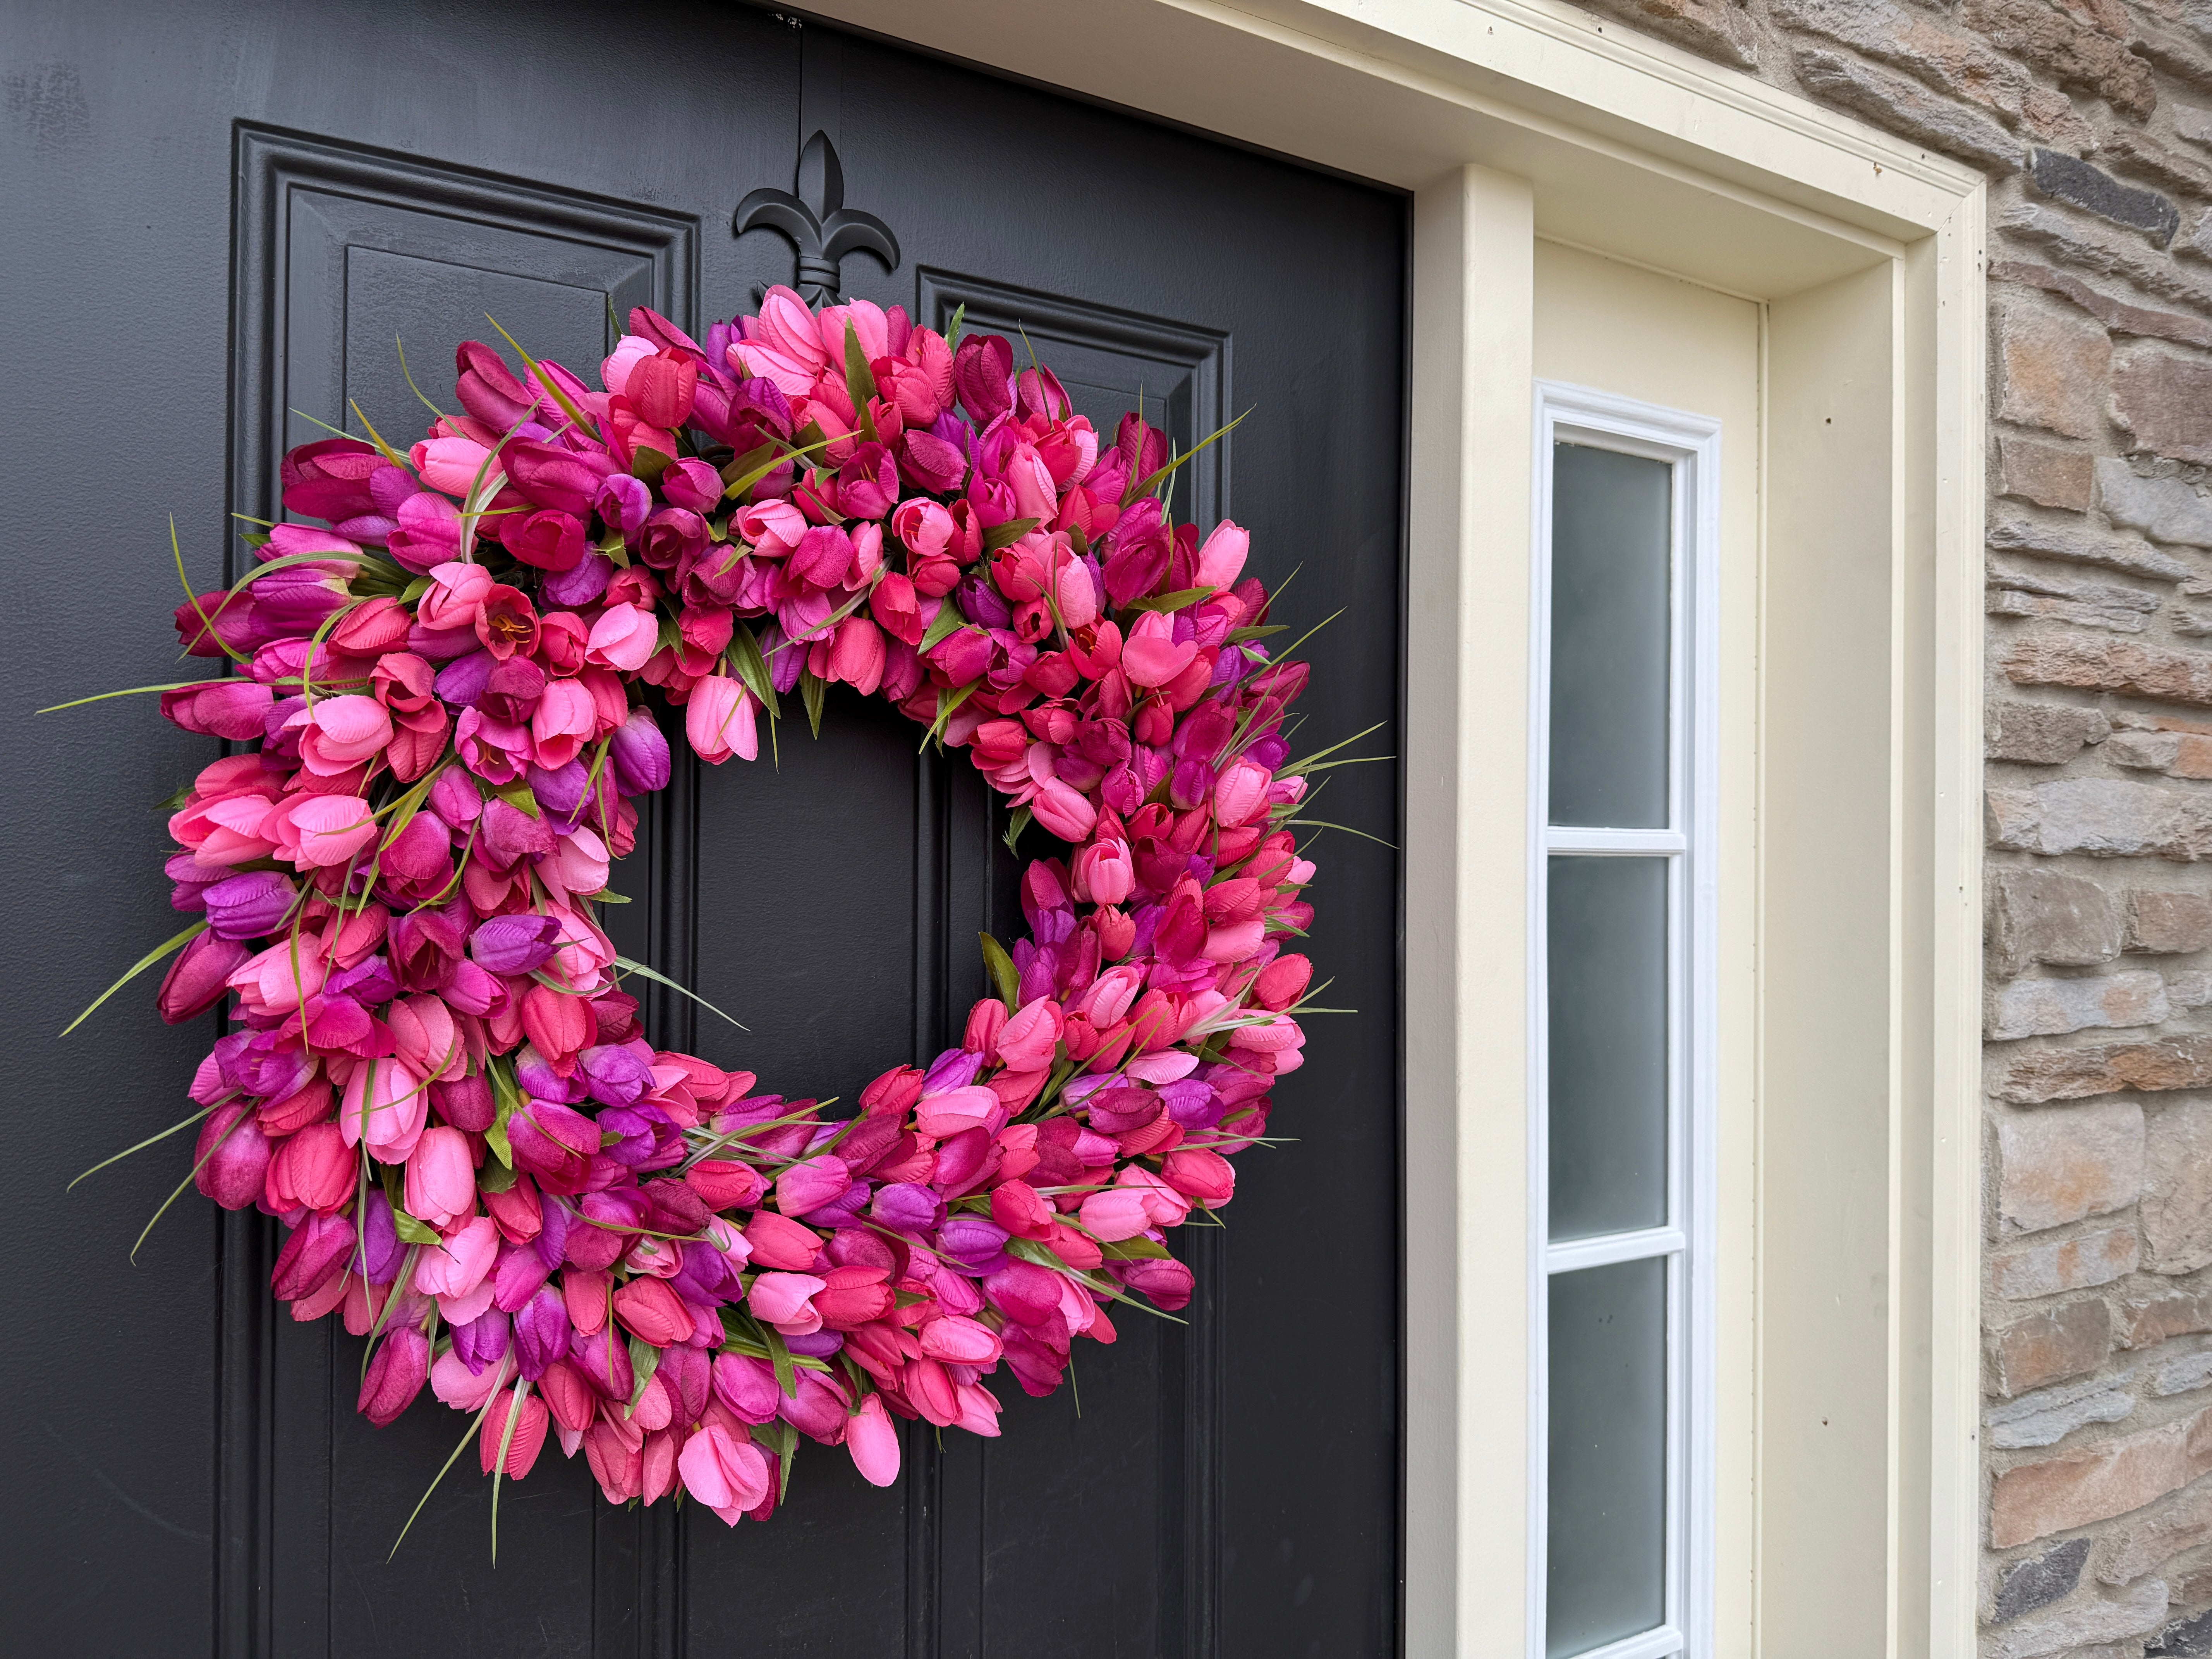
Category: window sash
[1689,445]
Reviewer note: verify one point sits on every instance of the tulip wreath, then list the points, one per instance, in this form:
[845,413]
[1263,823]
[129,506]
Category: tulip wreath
[434,1077]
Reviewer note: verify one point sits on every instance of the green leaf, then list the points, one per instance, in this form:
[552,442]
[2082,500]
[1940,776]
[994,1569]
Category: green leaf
[507,1100]
[948,704]
[648,464]
[811,691]
[140,967]
[1007,534]
[1134,1249]
[175,803]
[644,972]
[1002,971]
[1174,601]
[784,1439]
[779,1355]
[496,1177]
[644,1360]
[947,622]
[1148,485]
[1015,824]
[953,329]
[859,379]
[521,796]
[743,655]
[1030,1249]
[412,1231]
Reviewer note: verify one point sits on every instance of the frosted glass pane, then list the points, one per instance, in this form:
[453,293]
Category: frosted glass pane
[1607,998]
[1608,1493]
[1610,635]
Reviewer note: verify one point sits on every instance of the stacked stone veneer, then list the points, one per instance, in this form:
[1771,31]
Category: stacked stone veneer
[2093,120]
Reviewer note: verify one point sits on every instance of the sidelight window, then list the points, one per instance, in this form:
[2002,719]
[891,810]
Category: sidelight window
[1622,931]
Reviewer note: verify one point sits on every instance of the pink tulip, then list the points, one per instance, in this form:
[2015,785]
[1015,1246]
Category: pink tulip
[384,1107]
[235,709]
[232,1158]
[395,1374]
[523,1441]
[563,723]
[339,733]
[1102,872]
[959,1342]
[782,1299]
[553,1143]
[1026,1043]
[266,984]
[1063,812]
[727,1476]
[1240,794]
[313,831]
[198,977]
[1150,656]
[811,1183]
[464,1390]
[1282,982]
[951,1111]
[747,1387]
[629,351]
[456,1266]
[456,593]
[441,1182]
[650,1310]
[1221,560]
[313,1169]
[451,464]
[872,1439]
[718,720]
[856,656]
[1115,1214]
[624,637]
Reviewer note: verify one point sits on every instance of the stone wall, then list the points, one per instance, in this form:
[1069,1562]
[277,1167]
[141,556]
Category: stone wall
[2093,119]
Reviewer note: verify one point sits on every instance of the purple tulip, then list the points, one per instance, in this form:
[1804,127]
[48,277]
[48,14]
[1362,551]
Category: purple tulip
[455,798]
[583,583]
[462,681]
[380,1248]
[955,1068]
[974,1242]
[907,1206]
[604,1359]
[253,1063]
[614,1074]
[466,1103]
[484,1340]
[251,906]
[539,1079]
[370,980]
[640,754]
[505,833]
[512,689]
[820,1346]
[562,791]
[542,1333]
[514,944]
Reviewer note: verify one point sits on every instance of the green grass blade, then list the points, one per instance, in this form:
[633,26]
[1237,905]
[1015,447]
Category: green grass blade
[138,968]
[441,1475]
[644,972]
[144,1145]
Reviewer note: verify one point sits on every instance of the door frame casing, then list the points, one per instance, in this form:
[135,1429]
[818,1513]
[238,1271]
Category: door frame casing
[1510,120]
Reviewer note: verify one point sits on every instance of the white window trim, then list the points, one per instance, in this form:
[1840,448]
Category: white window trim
[1691,444]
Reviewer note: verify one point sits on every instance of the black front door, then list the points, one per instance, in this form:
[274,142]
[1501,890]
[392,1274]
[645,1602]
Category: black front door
[221,217]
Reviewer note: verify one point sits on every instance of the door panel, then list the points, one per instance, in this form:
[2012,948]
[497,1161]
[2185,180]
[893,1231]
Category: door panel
[1227,1485]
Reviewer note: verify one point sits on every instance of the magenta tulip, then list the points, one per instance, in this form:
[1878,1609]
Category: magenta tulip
[197,978]
[397,1372]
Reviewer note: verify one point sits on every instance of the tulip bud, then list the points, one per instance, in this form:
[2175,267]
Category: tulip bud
[197,978]
[232,1158]
[395,1374]
[639,755]
[872,1439]
[317,1248]
[313,1169]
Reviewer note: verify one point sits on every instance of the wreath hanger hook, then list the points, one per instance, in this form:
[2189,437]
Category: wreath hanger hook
[817,222]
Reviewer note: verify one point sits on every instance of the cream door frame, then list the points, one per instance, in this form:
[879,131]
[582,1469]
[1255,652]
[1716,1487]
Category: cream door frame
[1510,120]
